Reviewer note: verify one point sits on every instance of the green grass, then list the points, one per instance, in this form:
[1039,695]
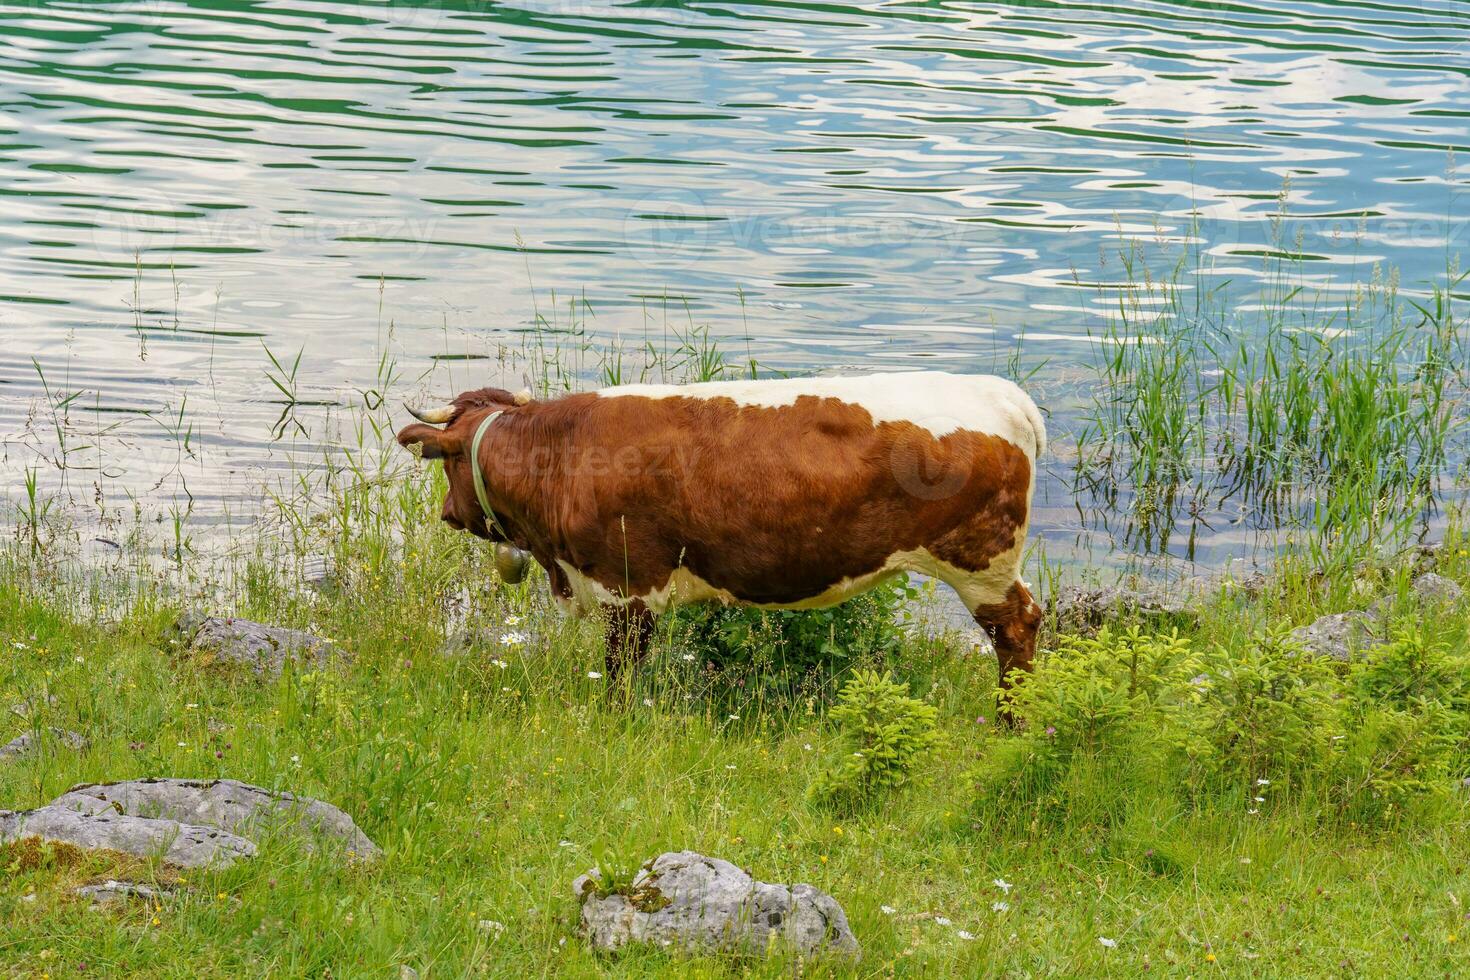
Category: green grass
[490,788]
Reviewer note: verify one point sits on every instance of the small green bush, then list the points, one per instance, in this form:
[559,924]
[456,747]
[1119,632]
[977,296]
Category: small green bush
[794,652]
[887,737]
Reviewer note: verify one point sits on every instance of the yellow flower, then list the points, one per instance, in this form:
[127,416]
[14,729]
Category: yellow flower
[157,921]
[837,831]
[1450,938]
[223,896]
[824,859]
[1209,957]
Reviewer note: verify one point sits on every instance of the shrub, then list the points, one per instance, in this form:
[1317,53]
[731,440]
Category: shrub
[794,651]
[887,737]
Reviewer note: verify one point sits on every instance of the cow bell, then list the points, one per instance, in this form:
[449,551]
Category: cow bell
[510,562]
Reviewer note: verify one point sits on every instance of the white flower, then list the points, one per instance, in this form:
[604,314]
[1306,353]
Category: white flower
[729,767]
[500,663]
[964,935]
[734,717]
[1253,811]
[512,620]
[1260,799]
[19,645]
[594,675]
[1003,885]
[688,656]
[1109,943]
[514,638]
[941,920]
[1000,906]
[648,702]
[295,759]
[1245,860]
[183,745]
[887,909]
[807,746]
[490,925]
[191,705]
[565,843]
[1263,782]
[79,660]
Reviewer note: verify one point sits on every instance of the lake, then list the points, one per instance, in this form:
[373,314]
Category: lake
[191,188]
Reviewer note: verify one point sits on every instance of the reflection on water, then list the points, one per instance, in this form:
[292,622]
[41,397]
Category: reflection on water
[187,186]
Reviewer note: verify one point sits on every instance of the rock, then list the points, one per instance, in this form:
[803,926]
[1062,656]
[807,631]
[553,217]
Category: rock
[407,973]
[1339,635]
[180,844]
[684,899]
[224,803]
[1079,608]
[264,649]
[1433,589]
[28,707]
[29,742]
[111,892]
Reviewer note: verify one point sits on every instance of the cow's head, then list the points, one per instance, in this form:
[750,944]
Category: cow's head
[451,446]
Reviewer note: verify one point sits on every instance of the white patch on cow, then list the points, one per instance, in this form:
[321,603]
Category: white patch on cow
[933,400]
[975,589]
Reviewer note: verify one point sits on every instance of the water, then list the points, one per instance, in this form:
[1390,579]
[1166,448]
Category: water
[826,186]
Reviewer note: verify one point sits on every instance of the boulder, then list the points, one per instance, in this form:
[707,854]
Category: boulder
[264,649]
[30,741]
[28,707]
[1432,589]
[686,900]
[179,844]
[224,803]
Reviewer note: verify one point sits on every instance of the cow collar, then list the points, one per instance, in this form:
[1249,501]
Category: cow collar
[480,492]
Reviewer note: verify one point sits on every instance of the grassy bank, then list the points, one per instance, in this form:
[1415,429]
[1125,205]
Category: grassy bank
[471,740]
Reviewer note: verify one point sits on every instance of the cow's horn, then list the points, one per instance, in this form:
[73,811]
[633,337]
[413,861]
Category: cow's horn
[523,397]
[434,416]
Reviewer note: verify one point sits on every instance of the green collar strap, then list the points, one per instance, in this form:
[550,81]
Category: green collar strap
[480,493]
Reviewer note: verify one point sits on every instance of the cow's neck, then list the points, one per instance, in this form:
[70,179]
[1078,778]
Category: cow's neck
[517,458]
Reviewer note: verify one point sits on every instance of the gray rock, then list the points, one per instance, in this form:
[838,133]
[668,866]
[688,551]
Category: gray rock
[225,803]
[180,844]
[111,892]
[686,900]
[264,649]
[1433,589]
[1079,608]
[1339,635]
[29,742]
[28,707]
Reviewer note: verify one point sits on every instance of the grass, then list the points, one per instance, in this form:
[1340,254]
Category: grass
[494,770]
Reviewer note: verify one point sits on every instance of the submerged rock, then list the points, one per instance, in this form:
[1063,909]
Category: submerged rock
[30,741]
[224,803]
[264,649]
[693,902]
[179,844]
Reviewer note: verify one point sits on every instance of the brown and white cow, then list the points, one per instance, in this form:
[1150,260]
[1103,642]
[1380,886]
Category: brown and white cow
[783,494]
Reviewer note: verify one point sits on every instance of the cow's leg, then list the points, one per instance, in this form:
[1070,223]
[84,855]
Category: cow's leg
[1012,625]
[628,629]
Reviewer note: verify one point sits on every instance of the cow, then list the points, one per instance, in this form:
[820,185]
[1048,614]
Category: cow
[782,494]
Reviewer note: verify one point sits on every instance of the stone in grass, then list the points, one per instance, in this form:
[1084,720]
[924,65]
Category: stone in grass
[112,891]
[29,742]
[28,707]
[1078,608]
[225,803]
[1339,635]
[686,900]
[179,844]
[264,649]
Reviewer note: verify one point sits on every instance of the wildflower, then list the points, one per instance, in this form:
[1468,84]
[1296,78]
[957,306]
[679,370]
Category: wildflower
[191,705]
[594,675]
[1209,957]
[807,746]
[19,645]
[823,859]
[1263,782]
[512,639]
[490,925]
[1109,943]
[837,831]
[512,620]
[1245,860]
[1000,906]
[887,909]
[500,663]
[729,767]
[648,702]
[157,921]
[941,920]
[688,656]
[734,717]
[1260,799]
[1253,811]
[1002,884]
[296,760]
[222,896]
[183,745]
[1051,729]
[964,935]
[565,843]
[980,720]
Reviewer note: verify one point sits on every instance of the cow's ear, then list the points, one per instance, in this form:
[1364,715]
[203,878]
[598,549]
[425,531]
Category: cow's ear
[427,441]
